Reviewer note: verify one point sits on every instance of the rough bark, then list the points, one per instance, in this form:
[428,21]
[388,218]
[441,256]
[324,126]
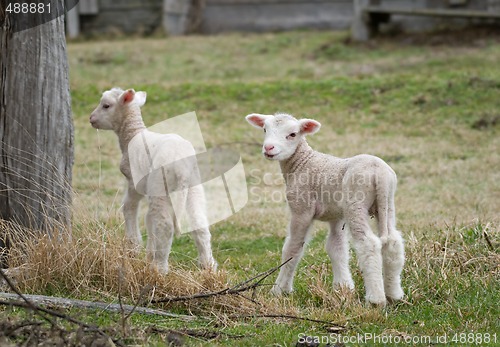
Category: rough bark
[36,127]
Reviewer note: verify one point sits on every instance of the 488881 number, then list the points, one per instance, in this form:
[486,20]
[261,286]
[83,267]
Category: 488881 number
[26,8]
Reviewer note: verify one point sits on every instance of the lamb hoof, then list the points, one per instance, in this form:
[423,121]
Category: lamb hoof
[162,269]
[213,267]
[344,285]
[275,290]
[133,249]
[395,296]
[210,265]
[380,304]
[279,291]
[376,301]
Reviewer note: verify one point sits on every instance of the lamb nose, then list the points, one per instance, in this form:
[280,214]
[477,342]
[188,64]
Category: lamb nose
[268,148]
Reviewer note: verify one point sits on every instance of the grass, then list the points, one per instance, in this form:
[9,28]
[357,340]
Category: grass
[429,110]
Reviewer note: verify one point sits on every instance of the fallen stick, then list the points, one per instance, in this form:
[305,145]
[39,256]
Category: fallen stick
[42,312]
[486,237]
[59,302]
[287,316]
[238,288]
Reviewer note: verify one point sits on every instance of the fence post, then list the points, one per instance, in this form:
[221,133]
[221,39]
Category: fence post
[360,28]
[176,16]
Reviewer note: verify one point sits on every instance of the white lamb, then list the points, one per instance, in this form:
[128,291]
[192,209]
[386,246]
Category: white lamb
[120,111]
[344,193]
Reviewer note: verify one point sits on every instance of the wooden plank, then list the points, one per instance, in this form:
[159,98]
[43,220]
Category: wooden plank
[431,12]
[88,7]
[270,2]
[361,30]
[131,7]
[273,16]
[73,23]
[176,6]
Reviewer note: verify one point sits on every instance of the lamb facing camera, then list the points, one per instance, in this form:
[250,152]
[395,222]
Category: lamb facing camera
[343,192]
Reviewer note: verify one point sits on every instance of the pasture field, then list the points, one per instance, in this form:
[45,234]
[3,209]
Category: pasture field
[427,104]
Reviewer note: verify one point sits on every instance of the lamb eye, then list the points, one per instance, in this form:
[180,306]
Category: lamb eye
[293,134]
[105,106]
[264,130]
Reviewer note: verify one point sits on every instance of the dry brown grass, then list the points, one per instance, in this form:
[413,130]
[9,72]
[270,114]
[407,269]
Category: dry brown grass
[95,263]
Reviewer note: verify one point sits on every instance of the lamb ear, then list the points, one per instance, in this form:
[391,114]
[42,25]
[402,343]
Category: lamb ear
[127,96]
[309,126]
[140,98]
[257,120]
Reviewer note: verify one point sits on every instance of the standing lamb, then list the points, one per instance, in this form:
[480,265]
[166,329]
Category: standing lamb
[344,193]
[120,111]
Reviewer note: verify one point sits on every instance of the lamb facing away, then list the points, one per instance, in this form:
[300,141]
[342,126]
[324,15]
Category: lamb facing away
[344,193]
[120,111]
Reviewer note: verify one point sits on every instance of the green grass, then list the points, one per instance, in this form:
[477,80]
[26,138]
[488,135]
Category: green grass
[414,105]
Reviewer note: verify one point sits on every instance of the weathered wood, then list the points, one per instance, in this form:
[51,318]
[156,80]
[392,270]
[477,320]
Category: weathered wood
[434,12]
[368,14]
[182,16]
[59,302]
[265,16]
[176,16]
[260,2]
[36,128]
[360,26]
[88,7]
[73,22]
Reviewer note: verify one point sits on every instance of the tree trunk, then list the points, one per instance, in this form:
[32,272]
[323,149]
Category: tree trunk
[36,127]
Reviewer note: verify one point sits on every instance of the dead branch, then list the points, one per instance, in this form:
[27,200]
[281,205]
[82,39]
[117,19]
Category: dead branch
[487,238]
[246,285]
[42,312]
[287,316]
[142,294]
[68,303]
[39,310]
[30,305]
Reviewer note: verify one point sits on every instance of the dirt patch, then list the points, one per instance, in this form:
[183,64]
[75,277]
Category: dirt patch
[486,122]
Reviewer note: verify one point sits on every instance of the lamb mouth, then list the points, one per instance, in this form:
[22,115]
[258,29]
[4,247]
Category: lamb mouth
[269,156]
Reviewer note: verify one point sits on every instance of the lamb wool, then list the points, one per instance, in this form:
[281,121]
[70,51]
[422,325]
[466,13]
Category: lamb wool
[345,192]
[120,111]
